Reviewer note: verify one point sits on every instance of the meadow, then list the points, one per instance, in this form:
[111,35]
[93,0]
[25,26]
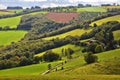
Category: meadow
[101,21]
[76,32]
[92,9]
[11,22]
[72,68]
[116,35]
[6,37]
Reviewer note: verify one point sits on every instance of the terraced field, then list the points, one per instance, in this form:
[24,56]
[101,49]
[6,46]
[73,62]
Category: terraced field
[113,18]
[76,32]
[92,9]
[6,37]
[116,35]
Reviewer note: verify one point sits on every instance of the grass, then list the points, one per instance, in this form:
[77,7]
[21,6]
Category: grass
[41,12]
[6,37]
[116,35]
[100,22]
[74,70]
[78,66]
[59,49]
[11,22]
[15,10]
[35,69]
[76,32]
[62,77]
[91,9]
[5,13]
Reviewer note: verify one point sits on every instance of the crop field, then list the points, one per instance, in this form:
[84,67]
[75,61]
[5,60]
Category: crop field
[6,37]
[116,35]
[100,22]
[11,22]
[59,49]
[92,9]
[62,17]
[76,32]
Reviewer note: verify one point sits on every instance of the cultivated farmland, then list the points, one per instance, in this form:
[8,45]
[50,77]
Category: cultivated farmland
[62,17]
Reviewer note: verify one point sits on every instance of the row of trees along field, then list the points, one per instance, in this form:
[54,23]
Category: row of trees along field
[23,51]
[16,53]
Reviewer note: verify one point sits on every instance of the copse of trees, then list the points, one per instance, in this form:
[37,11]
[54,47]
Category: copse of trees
[50,56]
[90,58]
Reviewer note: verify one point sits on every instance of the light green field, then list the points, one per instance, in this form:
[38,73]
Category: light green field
[92,9]
[100,22]
[11,22]
[71,70]
[17,11]
[59,49]
[6,37]
[116,35]
[5,13]
[41,12]
[35,69]
[77,66]
[76,32]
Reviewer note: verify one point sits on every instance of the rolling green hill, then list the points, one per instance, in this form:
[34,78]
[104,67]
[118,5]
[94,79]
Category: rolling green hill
[116,35]
[113,18]
[92,9]
[6,37]
[74,64]
[76,32]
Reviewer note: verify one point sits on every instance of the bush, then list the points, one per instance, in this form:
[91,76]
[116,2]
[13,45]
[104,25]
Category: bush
[99,48]
[50,56]
[90,58]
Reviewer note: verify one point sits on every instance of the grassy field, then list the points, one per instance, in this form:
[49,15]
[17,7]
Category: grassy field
[15,10]
[6,37]
[79,67]
[116,35]
[11,22]
[92,9]
[76,32]
[113,18]
[59,49]
[74,70]
[41,12]
[5,13]
[35,69]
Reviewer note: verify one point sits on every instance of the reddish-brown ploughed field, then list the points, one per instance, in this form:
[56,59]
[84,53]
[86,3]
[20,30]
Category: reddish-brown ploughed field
[62,17]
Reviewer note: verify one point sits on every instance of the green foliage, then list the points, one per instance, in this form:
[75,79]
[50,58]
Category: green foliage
[90,58]
[99,48]
[50,56]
